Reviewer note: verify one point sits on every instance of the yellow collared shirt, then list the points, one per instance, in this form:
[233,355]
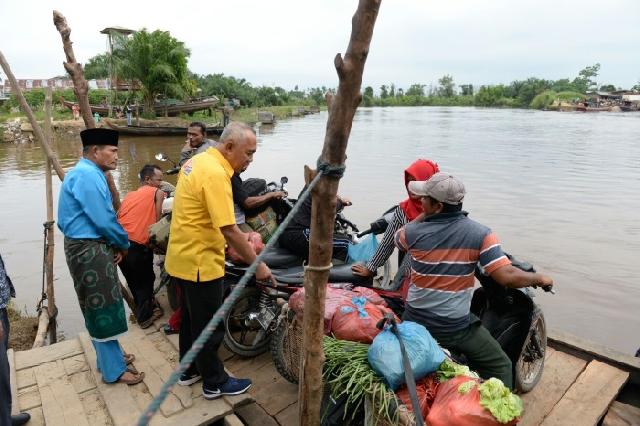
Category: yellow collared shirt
[203,204]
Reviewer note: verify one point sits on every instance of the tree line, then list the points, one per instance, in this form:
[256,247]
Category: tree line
[158,62]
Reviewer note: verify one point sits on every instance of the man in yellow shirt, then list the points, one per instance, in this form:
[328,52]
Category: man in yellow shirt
[202,221]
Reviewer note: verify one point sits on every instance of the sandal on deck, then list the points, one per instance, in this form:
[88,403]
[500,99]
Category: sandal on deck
[137,378]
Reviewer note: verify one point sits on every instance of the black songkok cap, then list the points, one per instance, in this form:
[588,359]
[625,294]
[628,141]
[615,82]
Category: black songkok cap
[99,137]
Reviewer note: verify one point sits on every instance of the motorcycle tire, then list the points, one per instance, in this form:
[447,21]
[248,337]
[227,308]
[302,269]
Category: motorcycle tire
[235,322]
[286,345]
[528,369]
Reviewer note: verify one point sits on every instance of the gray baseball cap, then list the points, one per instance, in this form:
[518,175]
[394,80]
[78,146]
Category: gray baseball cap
[442,187]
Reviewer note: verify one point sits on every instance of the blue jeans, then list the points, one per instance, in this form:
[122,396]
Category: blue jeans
[5,386]
[110,360]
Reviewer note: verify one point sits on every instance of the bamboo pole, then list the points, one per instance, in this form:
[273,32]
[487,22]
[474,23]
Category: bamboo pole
[341,111]
[32,119]
[43,325]
[51,301]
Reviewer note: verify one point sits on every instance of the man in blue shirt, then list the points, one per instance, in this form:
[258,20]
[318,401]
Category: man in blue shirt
[94,243]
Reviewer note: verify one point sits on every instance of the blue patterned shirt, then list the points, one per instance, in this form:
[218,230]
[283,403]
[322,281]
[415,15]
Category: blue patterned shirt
[6,286]
[85,209]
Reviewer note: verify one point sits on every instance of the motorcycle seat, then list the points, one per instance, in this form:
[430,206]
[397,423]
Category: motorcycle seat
[278,257]
[337,274]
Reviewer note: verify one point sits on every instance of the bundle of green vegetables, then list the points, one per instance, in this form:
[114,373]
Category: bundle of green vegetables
[494,395]
[347,371]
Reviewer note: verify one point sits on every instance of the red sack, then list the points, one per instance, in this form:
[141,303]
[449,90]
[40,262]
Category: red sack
[255,241]
[452,408]
[426,388]
[357,321]
[336,296]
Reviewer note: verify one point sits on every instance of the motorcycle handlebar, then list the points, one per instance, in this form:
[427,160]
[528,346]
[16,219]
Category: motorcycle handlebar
[172,171]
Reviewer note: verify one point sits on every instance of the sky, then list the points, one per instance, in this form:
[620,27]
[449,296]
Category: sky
[293,42]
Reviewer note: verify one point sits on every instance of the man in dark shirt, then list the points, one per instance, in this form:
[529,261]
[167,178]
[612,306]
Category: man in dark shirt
[6,292]
[296,237]
[243,202]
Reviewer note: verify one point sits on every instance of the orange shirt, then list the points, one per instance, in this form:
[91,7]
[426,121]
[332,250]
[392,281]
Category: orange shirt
[138,212]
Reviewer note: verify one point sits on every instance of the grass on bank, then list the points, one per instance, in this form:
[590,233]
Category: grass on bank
[23,328]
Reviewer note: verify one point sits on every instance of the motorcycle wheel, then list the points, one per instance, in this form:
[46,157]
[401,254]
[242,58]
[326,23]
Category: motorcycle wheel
[286,345]
[528,368]
[242,335]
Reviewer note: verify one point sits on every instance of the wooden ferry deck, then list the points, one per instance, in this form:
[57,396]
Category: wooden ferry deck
[59,385]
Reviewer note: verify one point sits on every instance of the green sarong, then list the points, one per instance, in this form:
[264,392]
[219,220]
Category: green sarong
[95,279]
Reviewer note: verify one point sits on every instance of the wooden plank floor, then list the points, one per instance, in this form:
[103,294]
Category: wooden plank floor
[60,385]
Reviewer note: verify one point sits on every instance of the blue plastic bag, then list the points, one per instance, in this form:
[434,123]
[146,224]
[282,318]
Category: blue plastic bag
[363,251]
[385,358]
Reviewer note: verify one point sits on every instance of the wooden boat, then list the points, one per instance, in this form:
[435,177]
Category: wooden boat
[158,131]
[159,109]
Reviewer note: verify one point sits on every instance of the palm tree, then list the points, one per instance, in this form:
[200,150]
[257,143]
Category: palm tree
[159,62]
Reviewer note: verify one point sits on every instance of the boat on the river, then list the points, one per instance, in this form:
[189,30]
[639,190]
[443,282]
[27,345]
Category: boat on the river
[158,130]
[160,109]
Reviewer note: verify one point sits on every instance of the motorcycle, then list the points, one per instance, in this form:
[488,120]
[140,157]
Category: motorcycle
[510,315]
[251,321]
[175,168]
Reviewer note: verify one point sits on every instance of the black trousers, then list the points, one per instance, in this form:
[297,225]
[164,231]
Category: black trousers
[297,242]
[199,301]
[5,386]
[137,268]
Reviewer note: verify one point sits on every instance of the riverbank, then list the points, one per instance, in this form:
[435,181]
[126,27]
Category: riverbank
[23,329]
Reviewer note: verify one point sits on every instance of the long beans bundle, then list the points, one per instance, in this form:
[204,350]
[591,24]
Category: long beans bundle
[347,371]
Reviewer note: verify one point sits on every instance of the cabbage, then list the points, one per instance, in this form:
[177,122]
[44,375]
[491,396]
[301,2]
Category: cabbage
[498,399]
[449,369]
[466,387]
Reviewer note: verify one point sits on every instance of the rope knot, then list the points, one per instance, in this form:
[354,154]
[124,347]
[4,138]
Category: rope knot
[335,171]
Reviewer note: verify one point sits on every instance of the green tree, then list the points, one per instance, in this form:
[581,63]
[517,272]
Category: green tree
[159,62]
[384,93]
[367,96]
[392,91]
[446,87]
[415,90]
[636,87]
[586,79]
[608,88]
[97,67]
[466,89]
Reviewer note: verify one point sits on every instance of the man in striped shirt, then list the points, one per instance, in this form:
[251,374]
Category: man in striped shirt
[445,246]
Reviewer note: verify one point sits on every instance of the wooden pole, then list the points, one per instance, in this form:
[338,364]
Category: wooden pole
[43,325]
[51,301]
[32,119]
[341,111]
[81,89]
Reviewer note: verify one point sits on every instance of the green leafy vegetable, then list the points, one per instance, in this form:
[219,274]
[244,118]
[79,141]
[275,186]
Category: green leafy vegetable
[449,369]
[498,399]
[466,387]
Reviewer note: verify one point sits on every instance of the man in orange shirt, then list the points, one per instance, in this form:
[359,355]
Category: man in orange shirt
[140,209]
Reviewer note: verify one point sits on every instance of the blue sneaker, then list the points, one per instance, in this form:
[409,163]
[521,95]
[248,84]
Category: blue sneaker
[232,386]
[188,379]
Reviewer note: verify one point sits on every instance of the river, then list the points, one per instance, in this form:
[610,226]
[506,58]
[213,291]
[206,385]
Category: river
[560,189]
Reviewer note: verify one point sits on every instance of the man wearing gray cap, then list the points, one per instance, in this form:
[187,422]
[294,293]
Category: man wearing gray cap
[445,247]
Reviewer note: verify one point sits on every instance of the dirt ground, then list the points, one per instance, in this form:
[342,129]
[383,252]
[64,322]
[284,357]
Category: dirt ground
[22,329]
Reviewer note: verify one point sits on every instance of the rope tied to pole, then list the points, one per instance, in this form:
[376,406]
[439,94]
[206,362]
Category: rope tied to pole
[324,169]
[48,227]
[318,268]
[334,171]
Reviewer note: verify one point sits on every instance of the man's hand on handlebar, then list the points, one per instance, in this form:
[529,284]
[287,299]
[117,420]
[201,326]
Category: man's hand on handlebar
[361,270]
[263,273]
[278,195]
[345,201]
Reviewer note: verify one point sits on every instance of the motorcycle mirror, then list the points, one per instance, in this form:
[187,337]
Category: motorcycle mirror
[161,157]
[284,180]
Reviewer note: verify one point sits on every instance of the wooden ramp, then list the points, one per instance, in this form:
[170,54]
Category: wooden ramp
[59,385]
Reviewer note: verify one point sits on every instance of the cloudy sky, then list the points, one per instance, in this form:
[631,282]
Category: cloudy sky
[293,42]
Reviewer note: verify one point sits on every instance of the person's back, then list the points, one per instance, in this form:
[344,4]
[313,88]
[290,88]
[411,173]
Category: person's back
[137,212]
[445,250]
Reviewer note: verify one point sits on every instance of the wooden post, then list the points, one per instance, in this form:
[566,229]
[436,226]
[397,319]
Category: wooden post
[341,111]
[32,119]
[51,301]
[43,325]
[81,89]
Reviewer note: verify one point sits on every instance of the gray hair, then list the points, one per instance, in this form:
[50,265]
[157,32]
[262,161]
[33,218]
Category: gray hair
[236,130]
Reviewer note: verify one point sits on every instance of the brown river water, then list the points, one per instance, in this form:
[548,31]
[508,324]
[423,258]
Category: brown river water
[560,189]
